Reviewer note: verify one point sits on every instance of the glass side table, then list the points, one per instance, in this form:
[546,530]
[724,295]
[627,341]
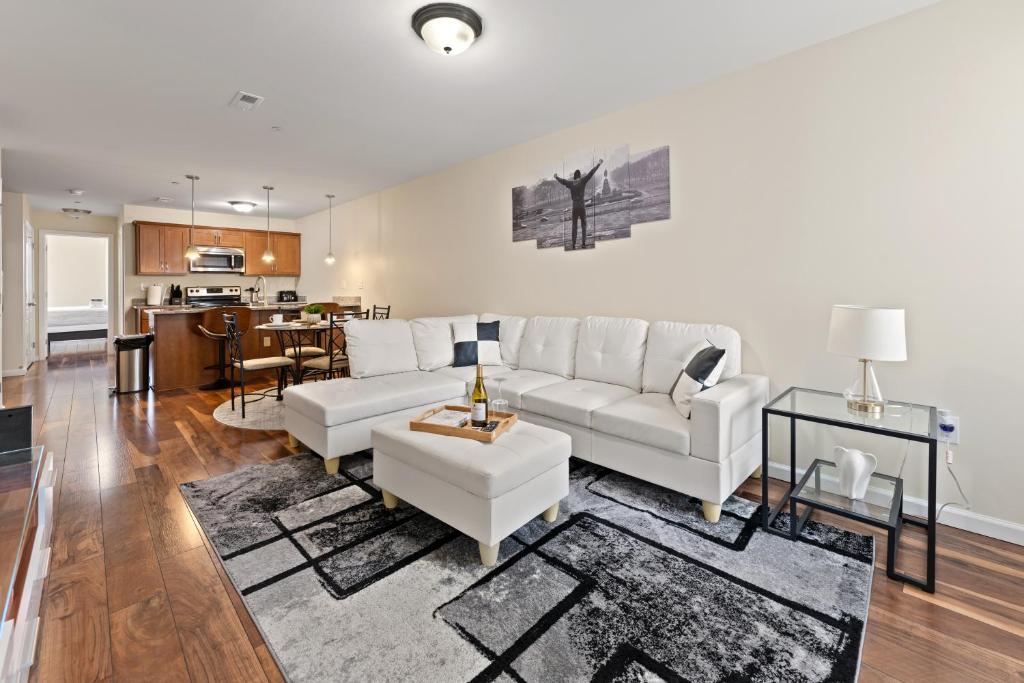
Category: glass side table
[818,489]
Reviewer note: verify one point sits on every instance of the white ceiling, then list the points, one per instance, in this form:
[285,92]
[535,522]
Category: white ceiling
[119,97]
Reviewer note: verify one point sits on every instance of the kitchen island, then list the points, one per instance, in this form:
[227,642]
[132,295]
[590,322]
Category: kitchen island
[183,357]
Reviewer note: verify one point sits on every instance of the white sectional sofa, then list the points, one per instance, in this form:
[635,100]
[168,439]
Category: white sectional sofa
[606,382]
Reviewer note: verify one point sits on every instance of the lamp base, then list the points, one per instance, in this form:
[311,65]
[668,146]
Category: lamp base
[868,407]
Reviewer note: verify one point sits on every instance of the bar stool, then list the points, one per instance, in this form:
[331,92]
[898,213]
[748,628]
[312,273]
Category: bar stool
[212,327]
[239,362]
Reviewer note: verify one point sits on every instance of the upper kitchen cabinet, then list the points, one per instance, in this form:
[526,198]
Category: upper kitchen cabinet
[287,249]
[220,237]
[160,248]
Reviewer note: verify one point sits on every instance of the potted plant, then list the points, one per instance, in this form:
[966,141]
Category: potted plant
[312,312]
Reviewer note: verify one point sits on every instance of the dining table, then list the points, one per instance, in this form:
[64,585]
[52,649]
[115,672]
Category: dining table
[296,334]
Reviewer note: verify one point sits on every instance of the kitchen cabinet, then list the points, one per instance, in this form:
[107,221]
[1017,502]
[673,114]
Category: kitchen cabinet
[287,248]
[160,249]
[220,237]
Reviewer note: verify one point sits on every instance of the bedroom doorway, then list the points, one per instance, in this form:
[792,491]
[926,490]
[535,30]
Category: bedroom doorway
[74,293]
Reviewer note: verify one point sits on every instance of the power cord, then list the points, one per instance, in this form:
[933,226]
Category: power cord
[966,505]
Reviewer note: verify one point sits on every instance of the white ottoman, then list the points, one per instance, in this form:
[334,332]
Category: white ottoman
[486,491]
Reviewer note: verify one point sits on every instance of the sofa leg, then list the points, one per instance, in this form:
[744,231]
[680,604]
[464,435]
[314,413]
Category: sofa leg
[757,473]
[292,441]
[331,465]
[712,511]
[489,554]
[551,513]
[390,500]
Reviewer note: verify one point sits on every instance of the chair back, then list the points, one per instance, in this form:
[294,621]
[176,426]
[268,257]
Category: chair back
[233,334]
[335,334]
[381,312]
[213,320]
[361,315]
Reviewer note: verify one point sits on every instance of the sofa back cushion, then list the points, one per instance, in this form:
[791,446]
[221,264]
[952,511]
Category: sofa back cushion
[433,339]
[668,345]
[379,347]
[510,335]
[611,350]
[549,345]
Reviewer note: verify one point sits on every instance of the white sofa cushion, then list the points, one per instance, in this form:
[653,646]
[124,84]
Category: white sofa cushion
[612,350]
[487,470]
[432,338]
[549,345]
[468,375]
[650,419]
[379,347]
[574,400]
[510,335]
[514,383]
[339,401]
[668,345]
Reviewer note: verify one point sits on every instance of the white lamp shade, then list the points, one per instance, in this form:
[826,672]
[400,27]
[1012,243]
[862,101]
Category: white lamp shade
[871,333]
[447,35]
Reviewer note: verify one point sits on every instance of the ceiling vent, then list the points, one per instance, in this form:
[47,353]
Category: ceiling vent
[245,101]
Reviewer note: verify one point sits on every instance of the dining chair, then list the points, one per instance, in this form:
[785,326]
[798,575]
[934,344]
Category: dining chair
[361,315]
[233,334]
[381,312]
[334,362]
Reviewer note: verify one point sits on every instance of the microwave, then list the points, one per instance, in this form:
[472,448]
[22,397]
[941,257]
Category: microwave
[218,260]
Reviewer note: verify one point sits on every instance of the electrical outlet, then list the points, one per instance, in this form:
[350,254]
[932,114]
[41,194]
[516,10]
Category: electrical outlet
[949,428]
[266,341]
[361,284]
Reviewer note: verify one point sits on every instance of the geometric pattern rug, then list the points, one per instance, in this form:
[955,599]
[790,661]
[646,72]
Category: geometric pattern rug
[628,584]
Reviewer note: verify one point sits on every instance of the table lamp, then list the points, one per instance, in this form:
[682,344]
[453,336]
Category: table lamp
[867,334]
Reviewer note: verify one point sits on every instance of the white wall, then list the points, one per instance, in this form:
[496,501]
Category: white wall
[881,168]
[133,283]
[16,222]
[76,270]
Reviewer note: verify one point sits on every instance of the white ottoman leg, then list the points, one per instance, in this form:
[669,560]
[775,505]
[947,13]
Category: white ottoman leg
[390,501]
[489,554]
[331,465]
[712,511]
[551,513]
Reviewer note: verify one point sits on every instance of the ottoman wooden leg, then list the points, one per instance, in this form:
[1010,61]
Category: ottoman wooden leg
[712,511]
[331,465]
[551,513]
[390,501]
[489,554]
[757,473]
[292,441]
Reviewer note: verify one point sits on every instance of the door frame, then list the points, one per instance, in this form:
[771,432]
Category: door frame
[42,292]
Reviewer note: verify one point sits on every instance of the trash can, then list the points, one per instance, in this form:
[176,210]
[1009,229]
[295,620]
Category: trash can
[132,362]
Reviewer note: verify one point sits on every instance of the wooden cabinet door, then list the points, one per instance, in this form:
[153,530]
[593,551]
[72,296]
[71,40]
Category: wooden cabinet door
[175,242]
[287,249]
[149,250]
[231,238]
[255,243]
[206,237]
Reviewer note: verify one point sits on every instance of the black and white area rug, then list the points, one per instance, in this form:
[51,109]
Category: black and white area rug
[629,584]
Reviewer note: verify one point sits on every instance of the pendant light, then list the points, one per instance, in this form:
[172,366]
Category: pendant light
[191,253]
[329,259]
[268,253]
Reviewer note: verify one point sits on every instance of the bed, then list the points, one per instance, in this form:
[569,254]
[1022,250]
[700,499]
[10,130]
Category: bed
[68,323]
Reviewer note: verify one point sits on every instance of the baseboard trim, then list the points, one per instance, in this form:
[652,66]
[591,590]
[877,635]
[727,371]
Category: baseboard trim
[993,527]
[20,372]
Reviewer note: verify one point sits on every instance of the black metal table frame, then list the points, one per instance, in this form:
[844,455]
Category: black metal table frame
[897,519]
[295,342]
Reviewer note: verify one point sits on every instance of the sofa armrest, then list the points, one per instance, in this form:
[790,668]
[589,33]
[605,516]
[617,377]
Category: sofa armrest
[726,416]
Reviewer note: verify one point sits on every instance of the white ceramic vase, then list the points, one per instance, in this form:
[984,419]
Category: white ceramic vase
[855,470]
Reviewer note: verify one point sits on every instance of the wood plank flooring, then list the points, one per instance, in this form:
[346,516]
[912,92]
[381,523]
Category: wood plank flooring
[136,592]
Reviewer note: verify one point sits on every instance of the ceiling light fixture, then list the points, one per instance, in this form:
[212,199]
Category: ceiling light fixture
[163,200]
[447,28]
[242,207]
[191,253]
[77,213]
[74,192]
[329,259]
[268,253]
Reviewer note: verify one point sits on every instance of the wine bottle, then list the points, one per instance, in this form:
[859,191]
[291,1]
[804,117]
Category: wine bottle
[480,405]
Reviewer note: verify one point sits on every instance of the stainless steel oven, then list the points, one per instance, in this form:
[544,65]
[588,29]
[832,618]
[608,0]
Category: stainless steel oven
[218,260]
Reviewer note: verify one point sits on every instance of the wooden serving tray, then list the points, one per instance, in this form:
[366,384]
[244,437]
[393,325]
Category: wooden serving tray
[506,420]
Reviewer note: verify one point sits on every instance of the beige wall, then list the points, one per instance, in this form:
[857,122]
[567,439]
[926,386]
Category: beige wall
[881,168]
[133,284]
[76,270]
[16,224]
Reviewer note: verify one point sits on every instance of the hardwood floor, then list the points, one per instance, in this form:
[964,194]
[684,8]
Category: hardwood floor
[136,592]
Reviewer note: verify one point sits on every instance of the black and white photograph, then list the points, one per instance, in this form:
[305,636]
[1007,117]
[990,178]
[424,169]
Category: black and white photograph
[592,195]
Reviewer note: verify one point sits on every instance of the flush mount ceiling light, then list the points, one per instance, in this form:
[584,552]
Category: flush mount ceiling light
[77,213]
[75,192]
[164,200]
[242,207]
[447,28]
[191,253]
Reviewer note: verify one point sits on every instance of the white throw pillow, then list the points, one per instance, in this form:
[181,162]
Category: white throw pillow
[476,344]
[702,368]
[511,335]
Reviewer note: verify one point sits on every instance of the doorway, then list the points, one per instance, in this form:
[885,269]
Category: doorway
[75,293]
